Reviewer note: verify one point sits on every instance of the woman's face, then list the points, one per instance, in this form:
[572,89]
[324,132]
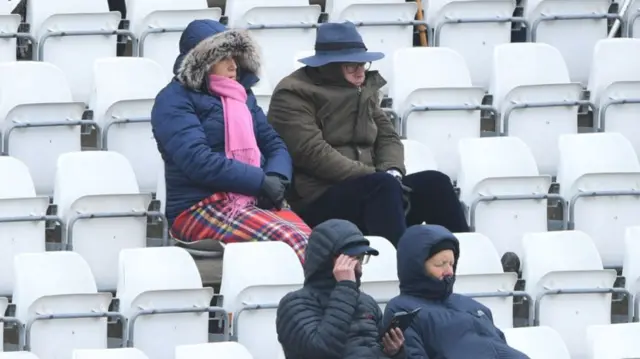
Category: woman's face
[225,68]
[355,72]
[441,264]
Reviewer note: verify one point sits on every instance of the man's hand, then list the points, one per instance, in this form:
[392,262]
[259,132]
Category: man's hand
[345,268]
[393,341]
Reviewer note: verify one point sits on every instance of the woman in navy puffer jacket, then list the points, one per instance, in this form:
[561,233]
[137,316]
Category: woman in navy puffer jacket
[449,325]
[202,176]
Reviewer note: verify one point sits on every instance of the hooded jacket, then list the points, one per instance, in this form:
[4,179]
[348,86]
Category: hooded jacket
[328,319]
[188,122]
[334,130]
[449,325]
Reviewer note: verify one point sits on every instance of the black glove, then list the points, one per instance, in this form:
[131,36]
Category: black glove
[272,192]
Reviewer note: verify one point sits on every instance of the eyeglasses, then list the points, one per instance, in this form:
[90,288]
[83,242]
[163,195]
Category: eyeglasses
[353,67]
[363,258]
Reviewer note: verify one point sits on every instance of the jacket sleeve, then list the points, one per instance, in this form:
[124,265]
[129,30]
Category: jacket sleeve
[181,137]
[271,145]
[413,344]
[498,331]
[389,150]
[309,331]
[294,119]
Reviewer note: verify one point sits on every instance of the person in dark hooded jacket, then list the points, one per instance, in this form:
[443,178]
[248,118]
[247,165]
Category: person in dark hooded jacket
[226,168]
[330,318]
[449,325]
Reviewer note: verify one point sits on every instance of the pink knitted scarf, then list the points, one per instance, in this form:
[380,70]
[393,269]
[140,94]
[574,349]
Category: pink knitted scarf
[239,138]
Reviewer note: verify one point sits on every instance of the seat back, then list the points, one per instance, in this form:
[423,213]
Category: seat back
[574,38]
[243,286]
[225,350]
[547,267]
[163,278]
[282,43]
[479,271]
[38,92]
[101,182]
[614,341]
[4,304]
[120,353]
[379,276]
[615,76]
[534,73]
[9,23]
[537,342]
[125,88]
[59,283]
[74,15]
[631,261]
[601,162]
[475,42]
[164,47]
[418,157]
[18,199]
[502,166]
[447,83]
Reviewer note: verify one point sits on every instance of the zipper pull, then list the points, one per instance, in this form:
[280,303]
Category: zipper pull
[359,90]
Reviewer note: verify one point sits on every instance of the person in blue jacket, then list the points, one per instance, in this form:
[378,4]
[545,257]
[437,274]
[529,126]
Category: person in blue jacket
[221,184]
[449,325]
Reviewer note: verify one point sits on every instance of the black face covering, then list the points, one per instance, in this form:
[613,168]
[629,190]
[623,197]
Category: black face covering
[331,74]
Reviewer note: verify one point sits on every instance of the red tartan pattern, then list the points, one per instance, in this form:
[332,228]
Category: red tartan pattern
[207,221]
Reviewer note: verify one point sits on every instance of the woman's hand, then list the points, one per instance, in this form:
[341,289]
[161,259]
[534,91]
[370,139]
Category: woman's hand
[393,341]
[272,193]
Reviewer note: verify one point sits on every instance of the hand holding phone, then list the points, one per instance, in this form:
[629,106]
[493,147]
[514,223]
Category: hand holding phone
[402,320]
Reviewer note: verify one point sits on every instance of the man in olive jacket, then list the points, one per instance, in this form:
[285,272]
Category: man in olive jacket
[330,318]
[348,159]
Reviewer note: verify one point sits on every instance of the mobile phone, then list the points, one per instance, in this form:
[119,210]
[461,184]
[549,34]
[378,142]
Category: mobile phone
[402,320]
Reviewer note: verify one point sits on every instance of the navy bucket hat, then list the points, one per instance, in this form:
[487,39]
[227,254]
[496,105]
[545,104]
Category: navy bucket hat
[339,42]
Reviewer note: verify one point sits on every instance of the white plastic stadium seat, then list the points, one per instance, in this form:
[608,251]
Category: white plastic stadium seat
[125,88]
[18,355]
[74,55]
[242,286]
[615,77]
[418,157]
[154,15]
[276,45]
[100,182]
[7,6]
[614,341]
[300,55]
[386,39]
[479,271]
[262,91]
[59,283]
[225,350]
[529,73]
[537,342]
[446,83]
[163,278]
[18,199]
[601,162]
[9,24]
[37,93]
[631,261]
[474,41]
[119,353]
[502,166]
[565,260]
[4,303]
[377,280]
[574,38]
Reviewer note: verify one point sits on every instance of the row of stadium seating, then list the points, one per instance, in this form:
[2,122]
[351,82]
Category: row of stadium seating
[57,305]
[285,28]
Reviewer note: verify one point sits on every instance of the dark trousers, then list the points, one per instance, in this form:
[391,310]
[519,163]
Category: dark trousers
[374,203]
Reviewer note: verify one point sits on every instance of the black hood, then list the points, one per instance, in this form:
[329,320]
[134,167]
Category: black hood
[325,243]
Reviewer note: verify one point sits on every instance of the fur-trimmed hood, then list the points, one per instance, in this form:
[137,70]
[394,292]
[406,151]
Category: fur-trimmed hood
[208,43]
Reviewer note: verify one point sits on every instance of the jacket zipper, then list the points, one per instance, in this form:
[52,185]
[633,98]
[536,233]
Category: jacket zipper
[355,123]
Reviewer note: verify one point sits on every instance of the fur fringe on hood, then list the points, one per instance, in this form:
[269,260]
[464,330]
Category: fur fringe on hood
[238,44]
